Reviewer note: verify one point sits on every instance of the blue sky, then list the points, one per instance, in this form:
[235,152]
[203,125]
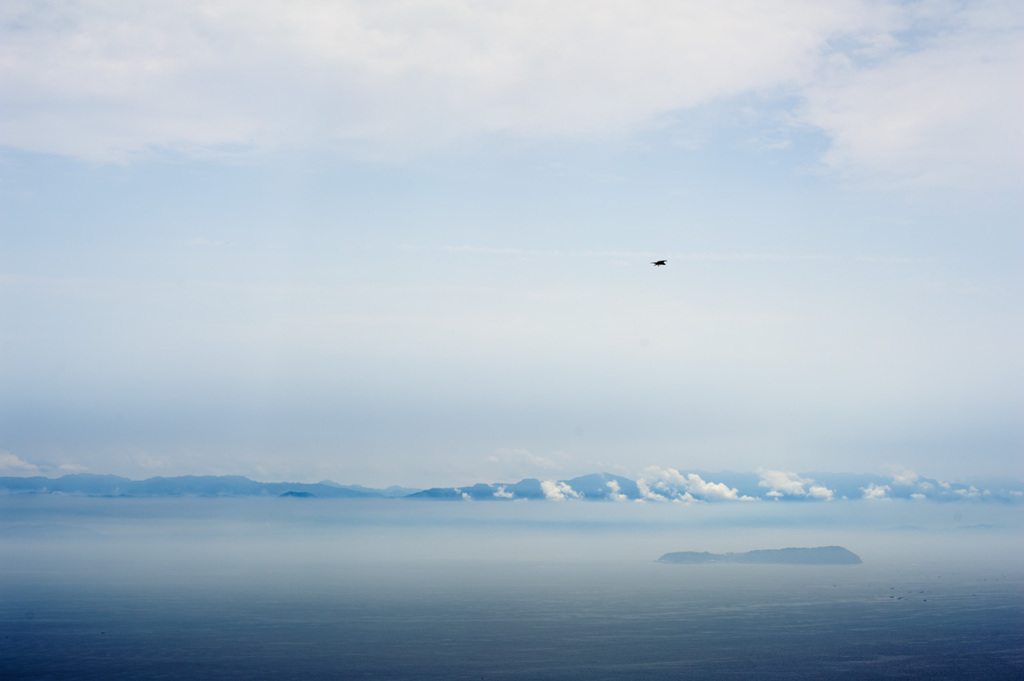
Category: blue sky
[409,243]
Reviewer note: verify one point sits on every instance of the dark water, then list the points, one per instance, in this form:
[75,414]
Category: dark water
[167,594]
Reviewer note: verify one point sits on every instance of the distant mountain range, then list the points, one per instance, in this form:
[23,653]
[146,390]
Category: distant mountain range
[654,485]
[183,486]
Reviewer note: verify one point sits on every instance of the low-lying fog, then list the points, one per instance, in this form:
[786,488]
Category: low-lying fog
[152,536]
[127,588]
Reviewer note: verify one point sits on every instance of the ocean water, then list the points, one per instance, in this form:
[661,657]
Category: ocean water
[318,589]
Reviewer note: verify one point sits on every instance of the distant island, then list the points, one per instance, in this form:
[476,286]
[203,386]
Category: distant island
[821,555]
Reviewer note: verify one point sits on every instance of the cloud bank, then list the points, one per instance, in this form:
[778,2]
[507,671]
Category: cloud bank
[782,483]
[668,484]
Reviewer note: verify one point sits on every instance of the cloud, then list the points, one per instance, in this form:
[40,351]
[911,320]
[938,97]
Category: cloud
[922,93]
[520,458]
[14,466]
[558,491]
[615,492]
[665,484]
[970,492]
[490,250]
[690,256]
[502,493]
[875,491]
[820,492]
[943,114]
[694,256]
[782,483]
[905,477]
[112,79]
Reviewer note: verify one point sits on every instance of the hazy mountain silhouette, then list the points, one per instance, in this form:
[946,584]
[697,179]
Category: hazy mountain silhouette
[593,487]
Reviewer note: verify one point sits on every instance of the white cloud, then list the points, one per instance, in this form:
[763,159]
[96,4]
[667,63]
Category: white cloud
[904,476]
[820,492]
[615,491]
[945,114]
[782,483]
[558,491]
[202,74]
[874,491]
[12,465]
[109,79]
[502,493]
[922,92]
[968,493]
[717,491]
[665,484]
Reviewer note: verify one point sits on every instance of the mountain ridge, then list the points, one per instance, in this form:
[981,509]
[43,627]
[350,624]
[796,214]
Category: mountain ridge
[657,485]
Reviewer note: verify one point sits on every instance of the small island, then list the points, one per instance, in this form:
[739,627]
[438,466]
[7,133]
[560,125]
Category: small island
[821,555]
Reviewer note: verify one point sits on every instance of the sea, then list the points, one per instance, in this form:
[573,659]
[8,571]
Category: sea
[299,588]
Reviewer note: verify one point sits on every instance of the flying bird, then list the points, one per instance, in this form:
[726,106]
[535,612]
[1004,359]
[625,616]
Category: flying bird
[659,263]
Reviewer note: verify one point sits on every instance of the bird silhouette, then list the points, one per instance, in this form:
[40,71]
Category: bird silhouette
[659,263]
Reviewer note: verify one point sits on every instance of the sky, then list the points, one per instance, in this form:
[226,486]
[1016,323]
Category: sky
[399,242]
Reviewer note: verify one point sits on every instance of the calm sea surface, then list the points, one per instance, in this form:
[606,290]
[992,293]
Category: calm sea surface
[311,589]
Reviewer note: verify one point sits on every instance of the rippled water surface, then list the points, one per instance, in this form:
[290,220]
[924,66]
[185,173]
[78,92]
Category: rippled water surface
[309,589]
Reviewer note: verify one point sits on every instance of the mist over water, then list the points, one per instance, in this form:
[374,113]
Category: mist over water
[314,588]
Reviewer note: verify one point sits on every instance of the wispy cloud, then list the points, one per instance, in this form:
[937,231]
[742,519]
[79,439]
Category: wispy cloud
[490,250]
[941,114]
[113,80]
[904,476]
[883,259]
[684,255]
[13,465]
